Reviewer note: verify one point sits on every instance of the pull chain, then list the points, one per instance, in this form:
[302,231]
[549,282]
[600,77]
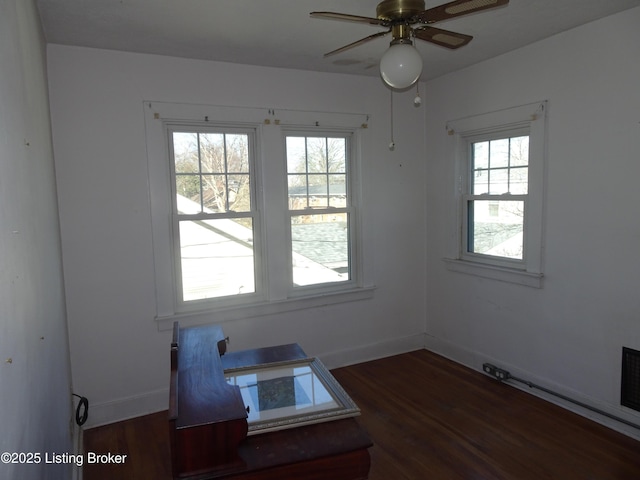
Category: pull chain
[392,144]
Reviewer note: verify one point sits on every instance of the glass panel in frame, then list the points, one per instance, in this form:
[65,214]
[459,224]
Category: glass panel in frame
[297,192]
[188,199]
[519,180]
[338,190]
[212,152]
[214,193]
[499,153]
[216,258]
[320,248]
[289,394]
[495,227]
[185,152]
[239,193]
[480,155]
[519,151]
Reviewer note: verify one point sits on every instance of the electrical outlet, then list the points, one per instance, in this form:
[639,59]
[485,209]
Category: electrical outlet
[496,372]
[490,369]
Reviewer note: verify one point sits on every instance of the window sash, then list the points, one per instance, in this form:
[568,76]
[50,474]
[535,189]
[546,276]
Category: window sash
[332,264]
[203,274]
[311,273]
[497,189]
[308,181]
[242,245]
[469,239]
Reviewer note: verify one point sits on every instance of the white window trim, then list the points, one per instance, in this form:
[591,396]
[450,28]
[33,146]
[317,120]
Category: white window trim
[277,296]
[532,118]
[191,305]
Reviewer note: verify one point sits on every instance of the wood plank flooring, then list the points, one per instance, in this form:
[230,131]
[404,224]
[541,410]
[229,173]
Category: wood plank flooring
[429,418]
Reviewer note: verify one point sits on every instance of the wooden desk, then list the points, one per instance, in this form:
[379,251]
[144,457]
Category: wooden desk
[209,440]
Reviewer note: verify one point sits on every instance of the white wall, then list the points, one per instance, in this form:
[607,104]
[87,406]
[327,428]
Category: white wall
[35,397]
[120,360]
[568,335]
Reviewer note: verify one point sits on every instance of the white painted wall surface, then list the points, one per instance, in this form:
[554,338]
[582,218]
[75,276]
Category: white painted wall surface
[120,360]
[35,397]
[568,336]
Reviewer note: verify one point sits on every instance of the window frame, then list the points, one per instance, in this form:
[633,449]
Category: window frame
[511,122]
[465,252]
[351,209]
[254,213]
[276,295]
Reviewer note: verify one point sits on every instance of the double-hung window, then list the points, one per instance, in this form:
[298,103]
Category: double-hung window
[495,205]
[214,214]
[319,208]
[252,214]
[500,160]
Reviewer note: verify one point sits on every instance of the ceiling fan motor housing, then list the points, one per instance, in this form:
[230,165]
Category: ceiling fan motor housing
[399,10]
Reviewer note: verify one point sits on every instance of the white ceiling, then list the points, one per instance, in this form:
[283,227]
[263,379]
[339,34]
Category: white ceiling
[280,33]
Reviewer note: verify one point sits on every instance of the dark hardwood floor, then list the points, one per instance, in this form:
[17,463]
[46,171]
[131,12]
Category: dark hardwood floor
[429,418]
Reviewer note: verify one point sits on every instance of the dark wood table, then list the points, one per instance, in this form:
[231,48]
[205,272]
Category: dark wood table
[209,430]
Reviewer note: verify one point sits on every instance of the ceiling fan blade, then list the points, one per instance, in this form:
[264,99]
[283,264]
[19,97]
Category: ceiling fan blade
[444,38]
[359,42]
[349,18]
[457,8]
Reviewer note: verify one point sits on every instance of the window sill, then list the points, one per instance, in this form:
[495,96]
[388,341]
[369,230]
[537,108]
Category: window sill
[222,315]
[502,274]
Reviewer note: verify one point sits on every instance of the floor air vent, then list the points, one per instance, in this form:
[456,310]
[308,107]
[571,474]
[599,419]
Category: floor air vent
[630,396]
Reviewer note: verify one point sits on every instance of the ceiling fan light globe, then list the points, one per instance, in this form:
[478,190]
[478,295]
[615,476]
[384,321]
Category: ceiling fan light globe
[401,66]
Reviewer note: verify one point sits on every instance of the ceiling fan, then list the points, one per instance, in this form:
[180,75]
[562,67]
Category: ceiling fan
[401,65]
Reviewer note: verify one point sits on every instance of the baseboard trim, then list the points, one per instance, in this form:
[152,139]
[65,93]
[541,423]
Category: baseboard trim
[126,408]
[372,351]
[474,360]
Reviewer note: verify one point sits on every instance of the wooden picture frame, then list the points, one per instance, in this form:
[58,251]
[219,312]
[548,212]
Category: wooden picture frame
[289,394]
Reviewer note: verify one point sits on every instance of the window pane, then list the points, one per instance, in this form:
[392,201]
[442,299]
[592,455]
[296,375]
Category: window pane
[499,181]
[480,155]
[185,152]
[336,150]
[496,228]
[297,192]
[317,155]
[480,182]
[216,258]
[337,191]
[237,153]
[519,151]
[239,193]
[320,245]
[499,153]
[188,194]
[214,193]
[296,155]
[212,152]
[518,180]
[318,191]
